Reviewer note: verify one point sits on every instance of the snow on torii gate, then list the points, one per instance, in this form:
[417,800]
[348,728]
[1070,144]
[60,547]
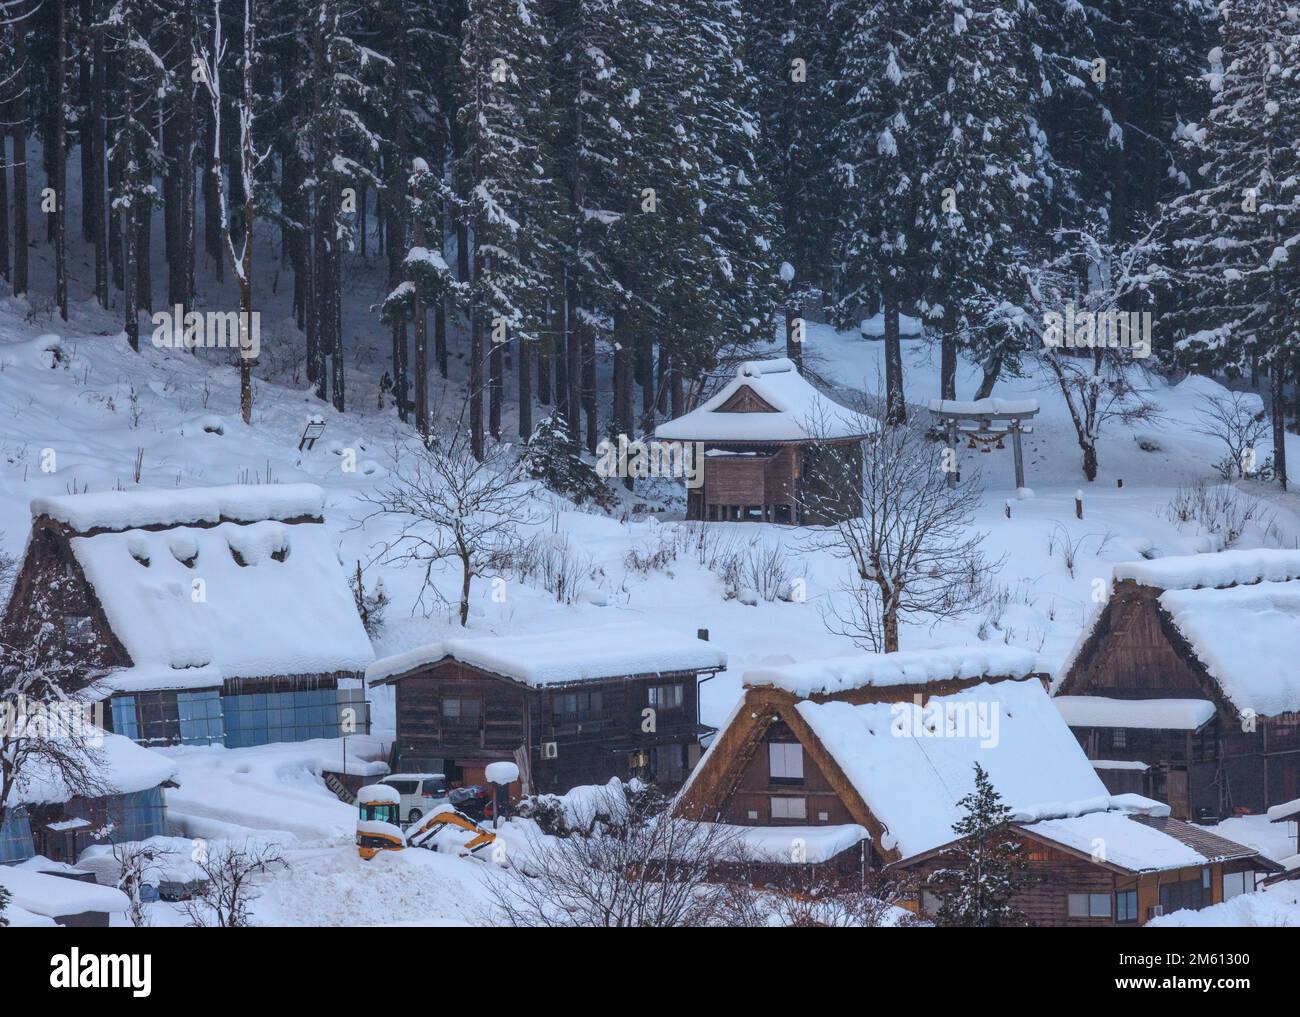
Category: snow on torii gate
[986,421]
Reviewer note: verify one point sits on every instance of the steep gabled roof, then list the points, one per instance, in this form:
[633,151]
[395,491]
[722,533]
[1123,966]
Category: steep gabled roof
[898,765]
[1248,640]
[779,405]
[1231,615]
[198,586]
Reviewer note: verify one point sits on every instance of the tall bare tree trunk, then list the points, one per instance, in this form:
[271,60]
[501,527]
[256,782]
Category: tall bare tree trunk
[98,144]
[895,401]
[60,159]
[19,129]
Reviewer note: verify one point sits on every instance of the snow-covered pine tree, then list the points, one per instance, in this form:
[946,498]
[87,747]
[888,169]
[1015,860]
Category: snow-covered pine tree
[425,276]
[874,167]
[976,164]
[794,56]
[503,173]
[343,147]
[990,865]
[134,151]
[594,89]
[742,226]
[1238,234]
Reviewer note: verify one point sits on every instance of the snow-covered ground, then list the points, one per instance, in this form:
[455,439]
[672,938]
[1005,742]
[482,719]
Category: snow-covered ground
[76,414]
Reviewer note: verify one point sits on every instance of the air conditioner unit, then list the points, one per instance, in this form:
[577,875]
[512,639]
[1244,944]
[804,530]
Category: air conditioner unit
[550,750]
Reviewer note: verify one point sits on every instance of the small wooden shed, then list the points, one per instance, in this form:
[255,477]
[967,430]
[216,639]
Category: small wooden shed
[775,449]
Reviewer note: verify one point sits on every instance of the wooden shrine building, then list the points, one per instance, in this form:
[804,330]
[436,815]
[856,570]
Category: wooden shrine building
[775,449]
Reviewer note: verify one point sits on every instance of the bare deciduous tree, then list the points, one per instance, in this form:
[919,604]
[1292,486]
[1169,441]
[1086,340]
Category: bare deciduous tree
[1098,385]
[228,877]
[250,159]
[1238,422]
[912,549]
[452,505]
[47,737]
[635,867]
[136,862]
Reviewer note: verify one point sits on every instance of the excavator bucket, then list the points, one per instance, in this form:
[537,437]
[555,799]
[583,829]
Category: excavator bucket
[431,825]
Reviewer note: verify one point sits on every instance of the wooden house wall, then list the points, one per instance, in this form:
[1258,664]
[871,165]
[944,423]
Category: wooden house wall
[50,587]
[1056,874]
[755,790]
[781,483]
[589,751]
[1132,657]
[734,481]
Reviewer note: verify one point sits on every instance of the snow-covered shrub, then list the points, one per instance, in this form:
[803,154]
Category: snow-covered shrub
[1217,509]
[1238,422]
[547,811]
[555,458]
[372,603]
[651,557]
[555,564]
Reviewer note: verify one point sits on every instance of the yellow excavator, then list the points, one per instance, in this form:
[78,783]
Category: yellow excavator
[378,806]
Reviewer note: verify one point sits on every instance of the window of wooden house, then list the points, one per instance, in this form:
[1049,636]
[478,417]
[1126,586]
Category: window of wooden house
[1190,894]
[668,764]
[789,808]
[461,712]
[568,707]
[1118,738]
[1088,905]
[1237,883]
[78,631]
[1126,906]
[785,762]
[666,697]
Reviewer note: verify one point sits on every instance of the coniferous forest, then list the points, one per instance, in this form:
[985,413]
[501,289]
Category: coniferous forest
[593,204]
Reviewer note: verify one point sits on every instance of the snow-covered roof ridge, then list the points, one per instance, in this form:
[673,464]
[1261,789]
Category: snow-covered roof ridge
[161,507]
[1247,637]
[565,656]
[1235,567]
[800,412]
[903,667]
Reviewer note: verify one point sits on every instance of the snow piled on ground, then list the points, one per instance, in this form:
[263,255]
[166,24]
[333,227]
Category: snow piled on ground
[80,407]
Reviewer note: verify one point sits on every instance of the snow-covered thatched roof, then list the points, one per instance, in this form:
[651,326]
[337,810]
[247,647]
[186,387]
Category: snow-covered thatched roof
[565,656]
[1239,613]
[1248,639]
[122,510]
[122,766]
[906,667]
[796,411]
[1218,569]
[912,764]
[214,583]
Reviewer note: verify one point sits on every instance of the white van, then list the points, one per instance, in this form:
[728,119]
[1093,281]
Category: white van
[420,793]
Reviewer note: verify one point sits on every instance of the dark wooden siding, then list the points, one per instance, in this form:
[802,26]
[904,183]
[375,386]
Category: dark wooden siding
[591,748]
[755,790]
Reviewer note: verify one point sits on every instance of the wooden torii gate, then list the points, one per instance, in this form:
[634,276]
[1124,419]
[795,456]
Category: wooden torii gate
[986,421]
